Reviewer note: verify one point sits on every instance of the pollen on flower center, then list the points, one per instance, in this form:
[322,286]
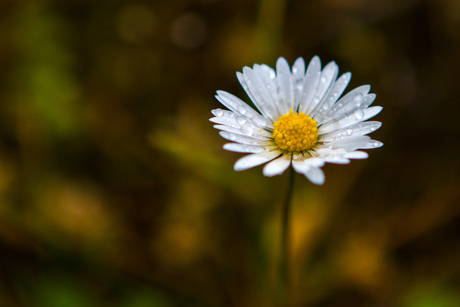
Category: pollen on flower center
[295,132]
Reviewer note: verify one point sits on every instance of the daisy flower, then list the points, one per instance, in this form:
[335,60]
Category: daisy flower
[300,118]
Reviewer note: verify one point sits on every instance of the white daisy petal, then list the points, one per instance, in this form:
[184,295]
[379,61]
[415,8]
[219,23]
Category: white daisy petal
[315,175]
[248,131]
[245,86]
[327,79]
[245,148]
[336,160]
[350,120]
[328,101]
[355,100]
[271,85]
[310,84]
[285,86]
[262,98]
[357,155]
[298,68]
[350,144]
[355,106]
[302,165]
[372,144]
[357,129]
[243,139]
[270,71]
[238,121]
[298,75]
[355,95]
[220,112]
[253,160]
[277,166]
[227,121]
[235,104]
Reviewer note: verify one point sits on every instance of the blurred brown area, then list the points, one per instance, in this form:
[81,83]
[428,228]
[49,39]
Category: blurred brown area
[115,191]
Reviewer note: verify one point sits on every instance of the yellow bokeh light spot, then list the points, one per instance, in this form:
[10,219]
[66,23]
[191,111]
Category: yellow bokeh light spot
[295,132]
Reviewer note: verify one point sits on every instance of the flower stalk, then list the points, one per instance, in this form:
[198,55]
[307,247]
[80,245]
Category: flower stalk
[284,274]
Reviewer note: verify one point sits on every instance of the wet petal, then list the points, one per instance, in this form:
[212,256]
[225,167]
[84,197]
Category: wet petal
[277,166]
[253,160]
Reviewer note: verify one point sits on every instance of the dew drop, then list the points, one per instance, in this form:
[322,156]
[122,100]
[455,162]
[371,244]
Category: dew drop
[358,99]
[323,79]
[242,109]
[232,137]
[349,131]
[299,83]
[260,120]
[247,130]
[218,112]
[376,144]
[359,114]
[241,120]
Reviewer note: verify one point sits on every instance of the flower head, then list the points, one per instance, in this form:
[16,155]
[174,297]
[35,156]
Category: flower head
[302,120]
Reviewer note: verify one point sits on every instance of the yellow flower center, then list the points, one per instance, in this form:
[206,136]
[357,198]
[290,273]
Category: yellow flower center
[295,132]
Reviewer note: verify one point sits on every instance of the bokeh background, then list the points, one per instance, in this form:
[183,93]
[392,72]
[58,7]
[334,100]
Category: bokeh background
[115,190]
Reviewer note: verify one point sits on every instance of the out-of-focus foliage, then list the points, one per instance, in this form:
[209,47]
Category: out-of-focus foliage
[115,191]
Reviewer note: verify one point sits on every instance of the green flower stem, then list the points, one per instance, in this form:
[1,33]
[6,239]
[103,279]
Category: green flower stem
[285,280]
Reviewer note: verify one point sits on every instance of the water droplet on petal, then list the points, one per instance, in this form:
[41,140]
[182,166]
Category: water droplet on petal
[232,137]
[260,120]
[241,120]
[218,112]
[358,99]
[349,131]
[242,109]
[359,114]
[247,130]
[323,79]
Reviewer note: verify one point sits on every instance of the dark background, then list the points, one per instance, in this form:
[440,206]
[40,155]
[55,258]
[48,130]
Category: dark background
[115,191]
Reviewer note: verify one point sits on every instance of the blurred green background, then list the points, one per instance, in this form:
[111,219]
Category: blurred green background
[115,191]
